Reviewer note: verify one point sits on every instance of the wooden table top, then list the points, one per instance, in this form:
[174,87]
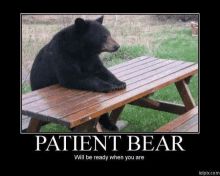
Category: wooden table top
[70,107]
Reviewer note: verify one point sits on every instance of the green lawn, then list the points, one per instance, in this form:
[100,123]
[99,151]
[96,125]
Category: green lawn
[178,44]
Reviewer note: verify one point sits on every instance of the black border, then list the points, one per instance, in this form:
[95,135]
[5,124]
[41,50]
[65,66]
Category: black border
[201,149]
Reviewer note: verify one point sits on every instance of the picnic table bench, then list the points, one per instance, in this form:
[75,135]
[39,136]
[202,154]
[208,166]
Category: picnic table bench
[79,110]
[188,122]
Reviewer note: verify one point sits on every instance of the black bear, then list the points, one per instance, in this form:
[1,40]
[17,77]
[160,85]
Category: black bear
[71,59]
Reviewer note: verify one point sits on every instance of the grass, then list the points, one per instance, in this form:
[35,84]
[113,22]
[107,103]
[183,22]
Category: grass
[26,88]
[167,41]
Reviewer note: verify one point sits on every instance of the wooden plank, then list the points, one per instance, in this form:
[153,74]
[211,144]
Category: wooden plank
[67,105]
[185,94]
[186,125]
[115,67]
[195,128]
[36,92]
[127,97]
[160,67]
[157,73]
[131,74]
[73,108]
[141,65]
[178,121]
[58,92]
[54,101]
[161,106]
[145,68]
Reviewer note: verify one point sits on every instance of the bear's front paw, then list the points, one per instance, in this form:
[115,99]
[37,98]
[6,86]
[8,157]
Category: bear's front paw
[106,87]
[110,89]
[120,85]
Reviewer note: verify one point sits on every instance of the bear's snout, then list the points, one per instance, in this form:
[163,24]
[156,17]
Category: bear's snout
[110,46]
[116,46]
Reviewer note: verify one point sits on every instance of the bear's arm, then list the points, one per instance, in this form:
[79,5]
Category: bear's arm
[69,75]
[99,70]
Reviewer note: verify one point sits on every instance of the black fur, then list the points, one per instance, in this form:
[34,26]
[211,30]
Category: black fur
[71,59]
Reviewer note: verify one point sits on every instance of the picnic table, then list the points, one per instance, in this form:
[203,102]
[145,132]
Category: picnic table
[79,110]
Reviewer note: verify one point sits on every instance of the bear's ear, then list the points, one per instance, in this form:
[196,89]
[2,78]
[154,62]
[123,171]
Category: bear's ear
[100,19]
[81,26]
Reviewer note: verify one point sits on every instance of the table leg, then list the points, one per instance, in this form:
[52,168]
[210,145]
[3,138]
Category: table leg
[116,113]
[185,94]
[188,79]
[34,125]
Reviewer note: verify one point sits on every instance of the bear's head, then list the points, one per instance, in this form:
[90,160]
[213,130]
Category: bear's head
[94,38]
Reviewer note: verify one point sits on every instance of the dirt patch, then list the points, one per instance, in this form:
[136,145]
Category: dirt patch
[46,19]
[53,19]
